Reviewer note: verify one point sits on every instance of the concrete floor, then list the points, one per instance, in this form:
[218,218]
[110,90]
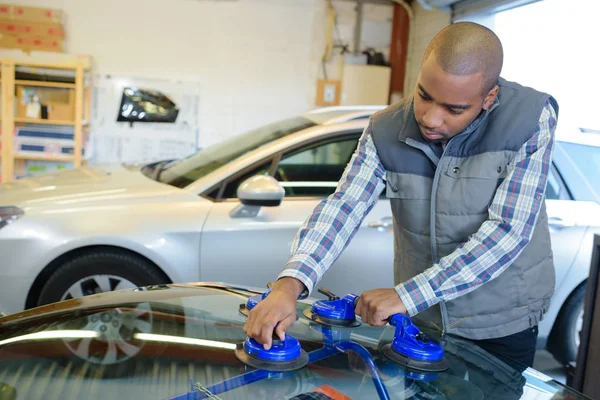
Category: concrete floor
[546,364]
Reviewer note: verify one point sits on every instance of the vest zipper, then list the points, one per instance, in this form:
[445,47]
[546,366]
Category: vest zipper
[436,178]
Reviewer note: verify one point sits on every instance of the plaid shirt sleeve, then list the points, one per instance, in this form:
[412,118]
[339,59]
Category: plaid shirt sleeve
[335,220]
[501,239]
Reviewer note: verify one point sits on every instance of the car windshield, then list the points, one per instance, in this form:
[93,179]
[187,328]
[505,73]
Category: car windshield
[179,341]
[186,171]
[587,159]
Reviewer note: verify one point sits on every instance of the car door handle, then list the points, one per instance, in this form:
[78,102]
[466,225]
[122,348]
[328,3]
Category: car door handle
[557,222]
[383,224]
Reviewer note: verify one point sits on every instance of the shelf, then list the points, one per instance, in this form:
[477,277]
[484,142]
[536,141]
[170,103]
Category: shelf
[14,117]
[46,65]
[44,158]
[45,84]
[43,121]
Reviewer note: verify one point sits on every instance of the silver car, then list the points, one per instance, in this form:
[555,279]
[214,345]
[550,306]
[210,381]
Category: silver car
[104,228]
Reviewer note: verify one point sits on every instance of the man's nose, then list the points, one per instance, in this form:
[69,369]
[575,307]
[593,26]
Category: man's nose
[433,118]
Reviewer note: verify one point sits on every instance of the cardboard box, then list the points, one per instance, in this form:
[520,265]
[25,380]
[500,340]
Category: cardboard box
[44,141]
[366,84]
[33,167]
[34,14]
[32,29]
[60,103]
[61,112]
[328,92]
[31,43]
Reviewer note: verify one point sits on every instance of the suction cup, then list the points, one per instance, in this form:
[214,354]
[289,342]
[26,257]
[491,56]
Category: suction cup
[425,366]
[252,302]
[334,311]
[412,349]
[286,355]
[393,369]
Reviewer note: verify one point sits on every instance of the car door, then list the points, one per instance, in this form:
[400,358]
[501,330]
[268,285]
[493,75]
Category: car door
[254,250]
[565,232]
[573,217]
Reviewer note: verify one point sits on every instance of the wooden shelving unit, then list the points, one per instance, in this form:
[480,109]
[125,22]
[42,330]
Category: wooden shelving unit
[45,84]
[12,162]
[43,121]
[44,158]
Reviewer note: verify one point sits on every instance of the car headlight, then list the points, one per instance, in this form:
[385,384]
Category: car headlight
[9,214]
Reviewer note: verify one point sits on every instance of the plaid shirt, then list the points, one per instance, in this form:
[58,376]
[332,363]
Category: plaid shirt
[488,252]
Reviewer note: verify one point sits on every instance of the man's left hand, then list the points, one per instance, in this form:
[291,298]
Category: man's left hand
[376,306]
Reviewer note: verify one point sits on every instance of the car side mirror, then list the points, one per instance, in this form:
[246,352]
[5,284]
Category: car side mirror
[261,190]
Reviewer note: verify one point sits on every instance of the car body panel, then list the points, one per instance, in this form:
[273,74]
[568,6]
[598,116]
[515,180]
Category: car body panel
[265,241]
[572,261]
[572,221]
[125,210]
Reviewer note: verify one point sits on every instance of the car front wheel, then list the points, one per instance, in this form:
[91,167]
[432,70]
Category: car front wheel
[98,272]
[564,340]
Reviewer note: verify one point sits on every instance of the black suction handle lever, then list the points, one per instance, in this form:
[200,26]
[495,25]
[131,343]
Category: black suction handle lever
[275,340]
[330,295]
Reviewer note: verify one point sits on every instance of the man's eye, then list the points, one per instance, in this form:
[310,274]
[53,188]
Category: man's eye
[454,112]
[424,97]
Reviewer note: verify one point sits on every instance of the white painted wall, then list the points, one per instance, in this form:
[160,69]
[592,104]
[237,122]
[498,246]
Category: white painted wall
[256,60]
[251,57]
[425,25]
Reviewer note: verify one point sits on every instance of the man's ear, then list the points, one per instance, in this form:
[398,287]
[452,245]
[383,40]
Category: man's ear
[490,97]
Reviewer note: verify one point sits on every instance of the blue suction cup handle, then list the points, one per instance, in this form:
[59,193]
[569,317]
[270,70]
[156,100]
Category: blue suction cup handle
[281,350]
[410,341]
[254,300]
[336,308]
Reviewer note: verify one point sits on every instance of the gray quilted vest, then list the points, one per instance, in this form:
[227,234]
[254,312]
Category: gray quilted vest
[438,202]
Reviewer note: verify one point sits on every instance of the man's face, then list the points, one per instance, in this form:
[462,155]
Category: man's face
[445,104]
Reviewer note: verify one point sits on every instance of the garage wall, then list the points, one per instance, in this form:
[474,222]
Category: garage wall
[251,57]
[256,60]
[425,25]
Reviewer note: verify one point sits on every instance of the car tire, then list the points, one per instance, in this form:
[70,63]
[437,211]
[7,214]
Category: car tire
[563,343]
[117,264]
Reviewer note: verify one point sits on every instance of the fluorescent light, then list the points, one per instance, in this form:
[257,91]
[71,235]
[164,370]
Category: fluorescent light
[46,335]
[183,340]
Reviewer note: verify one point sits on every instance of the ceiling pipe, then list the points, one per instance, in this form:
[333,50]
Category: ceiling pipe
[407,7]
[358,25]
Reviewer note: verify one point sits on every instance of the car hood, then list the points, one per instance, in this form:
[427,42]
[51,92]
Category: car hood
[81,186]
[164,337]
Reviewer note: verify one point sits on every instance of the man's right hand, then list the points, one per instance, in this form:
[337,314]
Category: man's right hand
[276,312]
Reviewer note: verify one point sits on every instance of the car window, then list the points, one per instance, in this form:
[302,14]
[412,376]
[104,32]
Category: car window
[316,170]
[587,160]
[553,188]
[182,173]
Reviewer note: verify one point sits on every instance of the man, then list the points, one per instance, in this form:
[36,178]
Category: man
[464,163]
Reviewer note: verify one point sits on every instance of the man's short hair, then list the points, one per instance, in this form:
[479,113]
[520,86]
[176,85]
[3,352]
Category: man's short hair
[465,48]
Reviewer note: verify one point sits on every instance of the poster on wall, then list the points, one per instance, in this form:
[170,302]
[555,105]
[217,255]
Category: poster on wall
[117,139]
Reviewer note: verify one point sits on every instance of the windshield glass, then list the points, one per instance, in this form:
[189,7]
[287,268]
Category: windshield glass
[186,171]
[165,341]
[587,159]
